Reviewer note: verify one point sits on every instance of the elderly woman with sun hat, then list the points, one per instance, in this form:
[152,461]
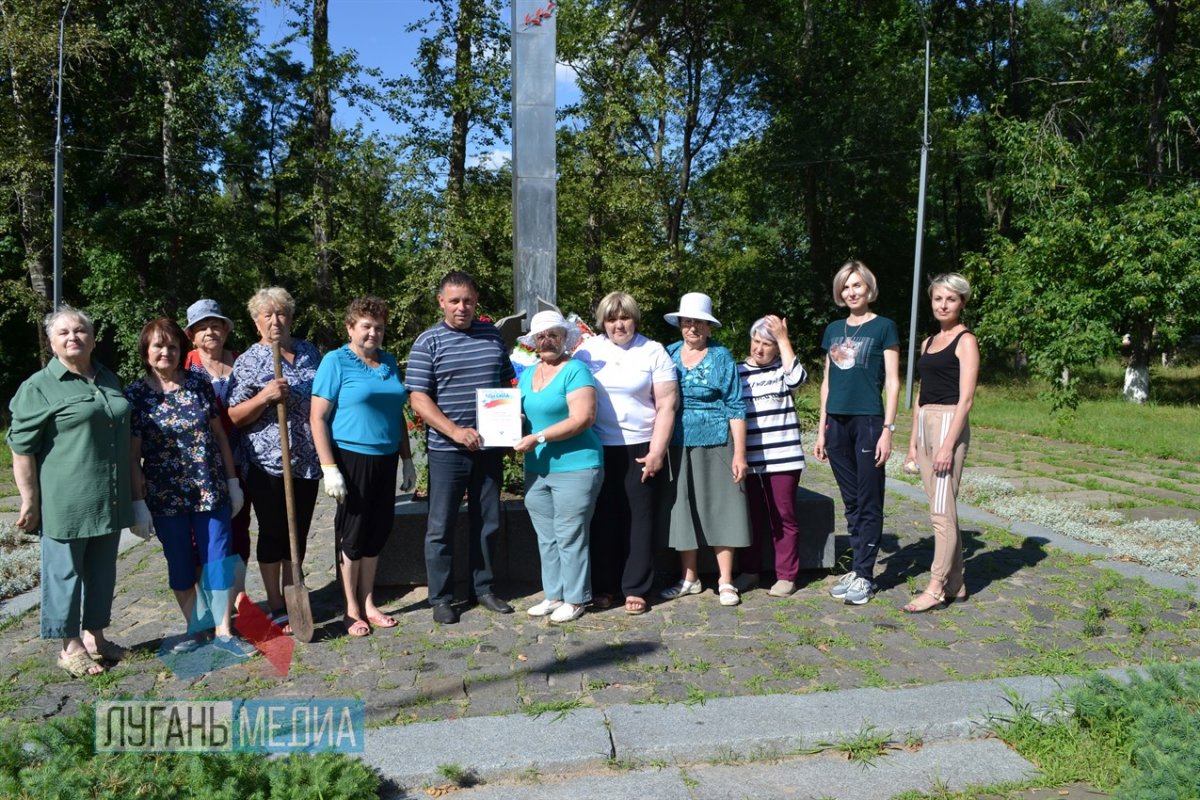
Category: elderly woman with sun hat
[708,452]
[564,464]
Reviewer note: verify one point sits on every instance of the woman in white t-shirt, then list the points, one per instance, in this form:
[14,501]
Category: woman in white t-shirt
[635,414]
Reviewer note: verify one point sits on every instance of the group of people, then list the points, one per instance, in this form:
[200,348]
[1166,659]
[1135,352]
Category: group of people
[625,441]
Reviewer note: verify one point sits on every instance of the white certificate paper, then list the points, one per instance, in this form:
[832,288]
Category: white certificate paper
[498,416]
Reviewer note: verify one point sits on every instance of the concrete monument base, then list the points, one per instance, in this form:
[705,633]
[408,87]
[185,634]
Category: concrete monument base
[402,562]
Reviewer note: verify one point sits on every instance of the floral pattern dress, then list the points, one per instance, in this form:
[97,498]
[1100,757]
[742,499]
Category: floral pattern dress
[180,457]
[251,372]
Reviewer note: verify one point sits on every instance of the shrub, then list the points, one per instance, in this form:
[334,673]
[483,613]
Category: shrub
[57,760]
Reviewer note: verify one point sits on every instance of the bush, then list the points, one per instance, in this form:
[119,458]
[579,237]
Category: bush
[57,760]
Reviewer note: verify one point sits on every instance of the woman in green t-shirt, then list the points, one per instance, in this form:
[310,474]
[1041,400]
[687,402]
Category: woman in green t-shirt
[855,432]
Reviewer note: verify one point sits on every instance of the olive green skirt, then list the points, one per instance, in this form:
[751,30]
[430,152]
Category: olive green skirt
[706,508]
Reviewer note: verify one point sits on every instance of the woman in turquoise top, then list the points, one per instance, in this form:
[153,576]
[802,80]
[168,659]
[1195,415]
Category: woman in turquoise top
[357,420]
[563,464]
[708,452]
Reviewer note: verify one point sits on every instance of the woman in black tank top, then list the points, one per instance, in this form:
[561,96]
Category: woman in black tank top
[941,433]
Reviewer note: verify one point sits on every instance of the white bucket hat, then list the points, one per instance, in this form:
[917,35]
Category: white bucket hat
[693,305]
[547,320]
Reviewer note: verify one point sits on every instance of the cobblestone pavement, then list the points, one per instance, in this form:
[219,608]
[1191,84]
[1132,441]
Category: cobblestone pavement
[1033,610]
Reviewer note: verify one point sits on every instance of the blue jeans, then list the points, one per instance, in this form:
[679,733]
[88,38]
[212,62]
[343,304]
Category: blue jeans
[850,441]
[560,507]
[451,473]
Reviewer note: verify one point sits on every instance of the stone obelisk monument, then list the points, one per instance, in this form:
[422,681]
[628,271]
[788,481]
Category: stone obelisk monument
[535,205]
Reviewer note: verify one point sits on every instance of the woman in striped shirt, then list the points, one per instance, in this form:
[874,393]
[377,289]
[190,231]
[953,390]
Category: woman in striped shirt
[770,378]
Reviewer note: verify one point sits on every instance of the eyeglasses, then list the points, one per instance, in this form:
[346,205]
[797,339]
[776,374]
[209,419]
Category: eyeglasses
[686,322]
[537,337]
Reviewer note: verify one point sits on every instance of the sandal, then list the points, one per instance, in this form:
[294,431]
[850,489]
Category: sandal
[939,602]
[728,594]
[356,627]
[635,606]
[603,602]
[279,618]
[382,620]
[79,664]
[108,651]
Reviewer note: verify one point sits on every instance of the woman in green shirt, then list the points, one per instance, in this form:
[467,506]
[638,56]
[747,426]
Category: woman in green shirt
[70,443]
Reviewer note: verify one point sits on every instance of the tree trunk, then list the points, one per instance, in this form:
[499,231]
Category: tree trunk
[1166,20]
[460,120]
[32,183]
[1137,364]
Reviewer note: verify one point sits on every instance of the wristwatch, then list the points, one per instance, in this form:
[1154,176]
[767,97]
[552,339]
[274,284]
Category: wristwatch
[541,437]
[891,427]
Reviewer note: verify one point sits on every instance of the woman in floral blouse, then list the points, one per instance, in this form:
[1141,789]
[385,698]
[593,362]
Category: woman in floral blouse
[254,391]
[183,473]
[708,452]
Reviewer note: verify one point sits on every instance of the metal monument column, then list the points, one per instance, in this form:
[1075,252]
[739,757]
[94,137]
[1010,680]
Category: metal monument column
[535,204]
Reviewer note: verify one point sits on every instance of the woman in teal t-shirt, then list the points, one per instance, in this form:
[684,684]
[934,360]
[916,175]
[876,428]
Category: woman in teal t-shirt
[563,464]
[862,366]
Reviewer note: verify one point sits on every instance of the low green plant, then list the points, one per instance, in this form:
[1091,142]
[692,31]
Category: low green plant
[1138,739]
[57,760]
[458,775]
[866,746]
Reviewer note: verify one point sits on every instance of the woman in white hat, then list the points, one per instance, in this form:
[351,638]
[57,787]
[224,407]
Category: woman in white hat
[208,330]
[564,464]
[708,451]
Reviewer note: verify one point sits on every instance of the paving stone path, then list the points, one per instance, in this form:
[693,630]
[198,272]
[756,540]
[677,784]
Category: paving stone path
[1035,609]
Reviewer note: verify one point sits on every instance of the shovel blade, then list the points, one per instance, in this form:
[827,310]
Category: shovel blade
[299,611]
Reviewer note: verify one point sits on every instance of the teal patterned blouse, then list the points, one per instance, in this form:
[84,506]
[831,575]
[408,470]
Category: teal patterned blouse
[712,395]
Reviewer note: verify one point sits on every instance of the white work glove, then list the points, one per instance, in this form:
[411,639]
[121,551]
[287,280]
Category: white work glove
[408,475]
[237,498]
[143,522]
[335,484]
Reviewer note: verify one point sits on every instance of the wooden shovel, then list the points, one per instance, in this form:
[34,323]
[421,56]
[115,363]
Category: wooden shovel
[295,596]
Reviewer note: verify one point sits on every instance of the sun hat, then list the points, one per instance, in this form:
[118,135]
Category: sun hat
[547,320]
[204,309]
[693,305]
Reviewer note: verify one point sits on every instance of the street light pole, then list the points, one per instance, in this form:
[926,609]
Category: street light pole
[916,284]
[58,165]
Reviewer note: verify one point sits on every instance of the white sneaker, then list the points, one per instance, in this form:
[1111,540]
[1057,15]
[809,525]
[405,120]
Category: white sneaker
[567,612]
[680,589]
[838,592]
[543,608]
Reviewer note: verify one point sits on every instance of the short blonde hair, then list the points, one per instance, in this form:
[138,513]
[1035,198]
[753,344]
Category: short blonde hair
[613,304]
[273,297]
[954,282]
[843,276]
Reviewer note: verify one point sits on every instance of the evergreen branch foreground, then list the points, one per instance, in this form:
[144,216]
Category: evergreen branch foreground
[1138,739]
[57,760]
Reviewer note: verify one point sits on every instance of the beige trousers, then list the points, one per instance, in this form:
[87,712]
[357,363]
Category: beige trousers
[933,423]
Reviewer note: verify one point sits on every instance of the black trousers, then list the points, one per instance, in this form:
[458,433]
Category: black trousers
[622,530]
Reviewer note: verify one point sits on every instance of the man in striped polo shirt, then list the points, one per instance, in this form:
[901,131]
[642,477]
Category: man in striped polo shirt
[447,364]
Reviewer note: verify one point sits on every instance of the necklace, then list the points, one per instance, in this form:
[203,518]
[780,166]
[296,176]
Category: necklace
[846,328]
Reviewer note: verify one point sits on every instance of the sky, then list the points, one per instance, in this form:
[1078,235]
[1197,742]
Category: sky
[376,30]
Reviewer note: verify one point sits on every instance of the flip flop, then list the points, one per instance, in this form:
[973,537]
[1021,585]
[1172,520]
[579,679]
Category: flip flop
[79,664]
[279,618]
[356,627]
[382,620]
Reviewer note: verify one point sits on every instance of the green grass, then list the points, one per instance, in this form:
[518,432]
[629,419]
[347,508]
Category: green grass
[1103,419]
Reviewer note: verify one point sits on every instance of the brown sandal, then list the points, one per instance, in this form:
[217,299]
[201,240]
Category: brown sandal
[635,606]
[79,664]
